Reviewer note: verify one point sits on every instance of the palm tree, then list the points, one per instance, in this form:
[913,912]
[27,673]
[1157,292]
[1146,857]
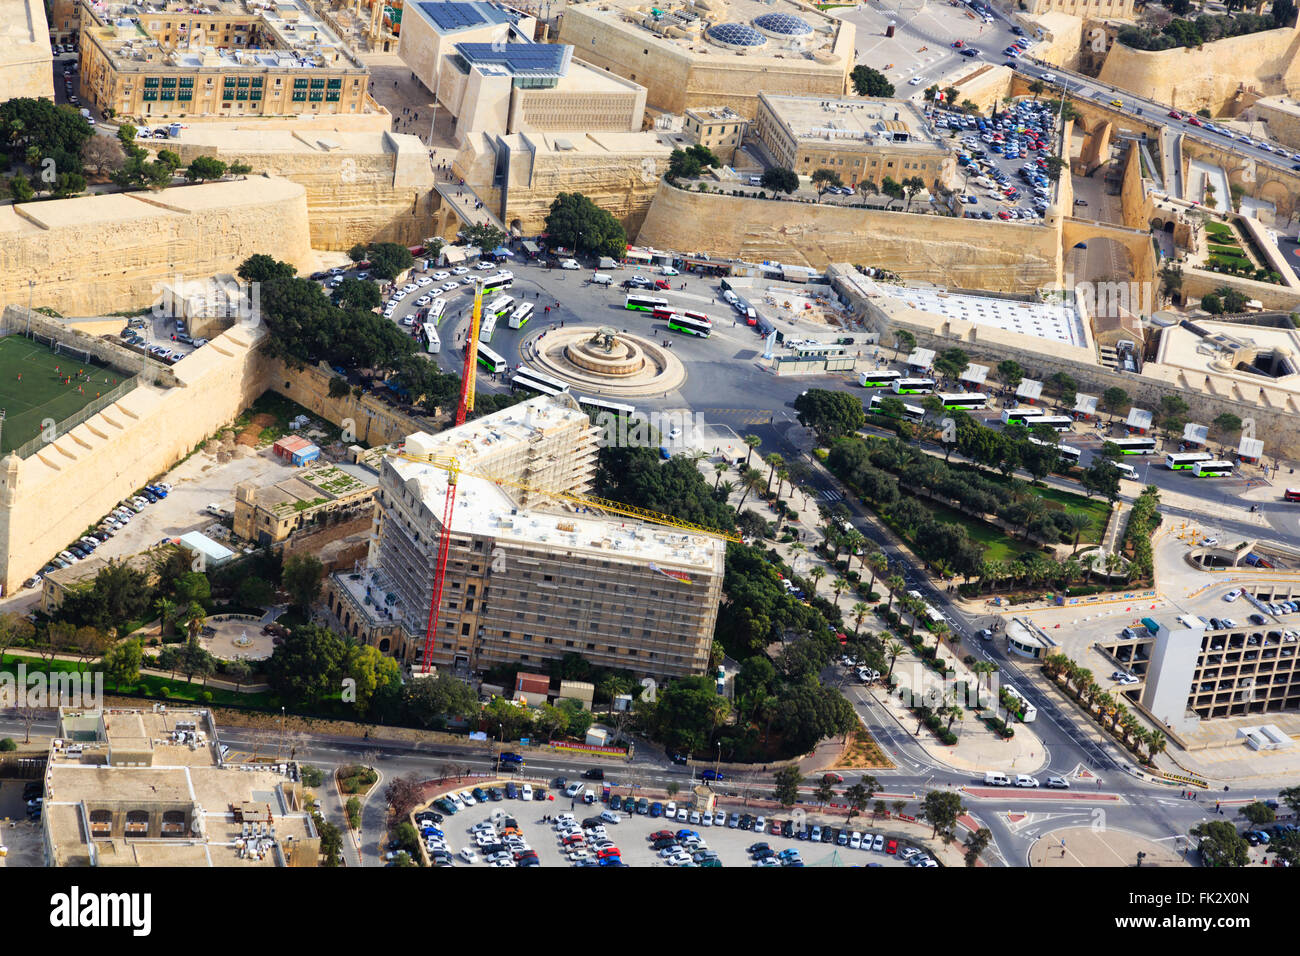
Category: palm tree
[817,573]
[895,584]
[940,629]
[165,609]
[753,441]
[954,712]
[860,611]
[892,650]
[879,564]
[774,461]
[838,586]
[751,479]
[1156,743]
[1076,523]
[721,469]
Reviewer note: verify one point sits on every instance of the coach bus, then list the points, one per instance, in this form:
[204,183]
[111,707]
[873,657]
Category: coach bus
[881,378]
[912,412]
[1022,416]
[605,405]
[520,316]
[1132,446]
[497,282]
[692,323]
[913,386]
[964,400]
[637,302]
[537,381]
[1185,460]
[1212,469]
[490,360]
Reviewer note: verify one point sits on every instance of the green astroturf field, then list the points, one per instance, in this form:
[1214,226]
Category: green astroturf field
[40,394]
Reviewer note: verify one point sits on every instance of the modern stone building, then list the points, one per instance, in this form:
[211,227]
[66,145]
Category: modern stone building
[169,59]
[26,63]
[860,139]
[713,53]
[523,583]
[149,788]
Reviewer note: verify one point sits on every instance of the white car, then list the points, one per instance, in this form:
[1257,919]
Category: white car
[668,271]
[706,820]
[526,793]
[570,264]
[878,842]
[424,280]
[410,287]
[485,266]
[855,840]
[399,295]
[682,815]
[424,299]
[468,855]
[459,271]
[439,276]
[448,286]
[1233,594]
[916,81]
[670,809]
[678,858]
[610,816]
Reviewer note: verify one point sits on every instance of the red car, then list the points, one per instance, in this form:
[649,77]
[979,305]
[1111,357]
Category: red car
[1003,214]
[662,835]
[1194,121]
[607,852]
[1174,114]
[832,778]
[662,284]
[574,840]
[892,847]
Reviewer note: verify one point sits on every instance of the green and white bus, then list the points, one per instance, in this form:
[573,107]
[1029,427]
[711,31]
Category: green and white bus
[1184,461]
[692,323]
[880,378]
[1213,469]
[644,303]
[1132,446]
[490,360]
[520,316]
[911,412]
[913,386]
[964,400]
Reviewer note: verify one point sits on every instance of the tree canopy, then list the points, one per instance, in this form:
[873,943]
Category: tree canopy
[871,82]
[830,413]
[780,179]
[575,221]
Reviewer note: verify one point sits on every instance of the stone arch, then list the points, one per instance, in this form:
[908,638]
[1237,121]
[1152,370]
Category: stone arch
[384,645]
[1280,194]
[1137,244]
[1157,223]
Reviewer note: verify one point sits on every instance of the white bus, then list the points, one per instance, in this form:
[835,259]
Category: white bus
[605,405]
[913,386]
[637,302]
[1066,454]
[1183,461]
[693,323]
[881,378]
[437,309]
[1131,446]
[520,316]
[1060,423]
[432,342]
[498,306]
[1213,469]
[537,381]
[497,282]
[1021,416]
[1126,470]
[913,412]
[490,360]
[964,400]
[487,328]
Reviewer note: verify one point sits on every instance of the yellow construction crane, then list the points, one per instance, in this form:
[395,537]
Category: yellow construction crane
[452,466]
[469,373]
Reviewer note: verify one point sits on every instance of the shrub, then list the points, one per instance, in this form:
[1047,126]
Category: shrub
[164,692]
[8,745]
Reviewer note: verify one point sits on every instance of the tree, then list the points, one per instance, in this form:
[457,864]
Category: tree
[1212,303]
[302,578]
[204,168]
[357,294]
[751,442]
[825,791]
[307,665]
[780,179]
[977,844]
[951,363]
[374,674]
[824,179]
[263,268]
[692,161]
[942,808]
[404,794]
[1036,87]
[102,155]
[903,339]
[1010,372]
[388,260]
[69,184]
[871,82]
[1114,400]
[121,665]
[254,591]
[891,188]
[577,222]
[786,791]
[1221,844]
[1226,425]
[21,189]
[1258,813]
[830,414]
[1074,523]
[912,185]
[1234,300]
[1055,166]
[858,795]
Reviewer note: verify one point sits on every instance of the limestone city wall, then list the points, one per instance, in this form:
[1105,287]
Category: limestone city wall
[98,254]
[998,256]
[373,422]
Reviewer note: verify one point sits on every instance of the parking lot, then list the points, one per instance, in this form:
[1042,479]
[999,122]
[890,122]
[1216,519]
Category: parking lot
[580,834]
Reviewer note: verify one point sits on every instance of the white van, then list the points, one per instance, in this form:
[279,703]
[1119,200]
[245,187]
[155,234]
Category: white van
[1024,780]
[995,778]
[602,278]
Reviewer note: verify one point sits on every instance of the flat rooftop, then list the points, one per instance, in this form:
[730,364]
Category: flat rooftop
[486,437]
[841,122]
[448,17]
[1041,320]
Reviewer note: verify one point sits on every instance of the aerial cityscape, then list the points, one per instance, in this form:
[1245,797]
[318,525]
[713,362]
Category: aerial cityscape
[753,433]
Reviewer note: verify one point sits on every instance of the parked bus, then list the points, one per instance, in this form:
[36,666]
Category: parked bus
[431,340]
[520,316]
[912,412]
[1021,416]
[880,378]
[1132,446]
[1291,494]
[437,309]
[1065,454]
[692,323]
[487,328]
[1126,470]
[497,282]
[537,381]
[964,400]
[913,386]
[605,405]
[1213,469]
[644,303]
[1060,423]
[1185,461]
[490,360]
[498,306]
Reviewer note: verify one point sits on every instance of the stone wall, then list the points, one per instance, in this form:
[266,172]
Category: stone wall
[373,422]
[1208,77]
[1276,184]
[98,254]
[50,498]
[339,546]
[26,62]
[998,256]
[372,188]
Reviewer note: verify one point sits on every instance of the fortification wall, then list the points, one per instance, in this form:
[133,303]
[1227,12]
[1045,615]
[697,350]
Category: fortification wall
[1208,77]
[98,254]
[51,497]
[372,422]
[999,256]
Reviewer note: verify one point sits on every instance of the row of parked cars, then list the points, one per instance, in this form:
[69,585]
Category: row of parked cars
[112,523]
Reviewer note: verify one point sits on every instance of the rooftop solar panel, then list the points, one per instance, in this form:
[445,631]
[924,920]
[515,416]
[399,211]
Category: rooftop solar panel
[449,16]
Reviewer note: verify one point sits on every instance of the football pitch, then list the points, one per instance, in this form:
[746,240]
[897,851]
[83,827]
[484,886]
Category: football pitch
[40,394]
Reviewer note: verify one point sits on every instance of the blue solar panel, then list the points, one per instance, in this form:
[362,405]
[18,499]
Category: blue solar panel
[449,16]
[536,58]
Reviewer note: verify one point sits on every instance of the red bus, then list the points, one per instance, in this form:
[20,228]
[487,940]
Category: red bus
[1291,494]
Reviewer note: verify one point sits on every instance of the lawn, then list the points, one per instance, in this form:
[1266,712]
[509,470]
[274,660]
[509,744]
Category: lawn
[40,393]
[1095,508]
[998,546]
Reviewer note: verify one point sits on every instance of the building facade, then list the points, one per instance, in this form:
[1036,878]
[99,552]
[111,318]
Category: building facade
[330,493]
[232,58]
[720,129]
[523,584]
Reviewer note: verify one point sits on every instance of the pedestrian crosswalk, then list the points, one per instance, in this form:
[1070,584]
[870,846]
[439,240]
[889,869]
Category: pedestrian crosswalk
[745,416]
[830,494]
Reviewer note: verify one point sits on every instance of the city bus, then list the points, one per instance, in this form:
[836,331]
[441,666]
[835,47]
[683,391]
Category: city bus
[1065,454]
[498,306]
[490,360]
[913,386]
[693,323]
[433,341]
[434,313]
[1213,469]
[605,405]
[1126,470]
[1291,494]
[964,400]
[1132,446]
[1022,416]
[912,412]
[1060,423]
[520,316]
[1185,461]
[880,378]
[637,302]
[537,381]
[487,328]
[497,282]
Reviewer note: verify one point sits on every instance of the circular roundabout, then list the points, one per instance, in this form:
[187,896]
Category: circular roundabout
[605,360]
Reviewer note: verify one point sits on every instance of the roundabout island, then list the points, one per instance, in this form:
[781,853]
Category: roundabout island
[604,360]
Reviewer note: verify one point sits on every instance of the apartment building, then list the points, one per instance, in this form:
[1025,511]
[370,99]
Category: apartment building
[223,58]
[527,581]
[860,139]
